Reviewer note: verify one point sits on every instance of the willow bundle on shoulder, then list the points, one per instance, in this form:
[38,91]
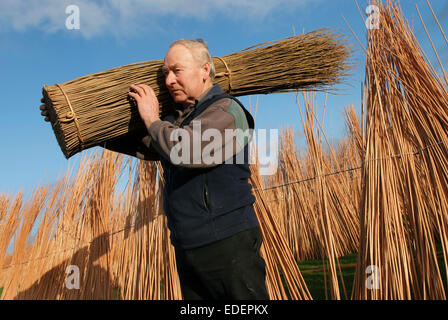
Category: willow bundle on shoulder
[87,111]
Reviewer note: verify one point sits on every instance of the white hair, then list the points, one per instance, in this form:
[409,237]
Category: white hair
[200,52]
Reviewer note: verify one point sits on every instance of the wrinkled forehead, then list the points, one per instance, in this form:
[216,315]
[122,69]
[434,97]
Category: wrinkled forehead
[179,55]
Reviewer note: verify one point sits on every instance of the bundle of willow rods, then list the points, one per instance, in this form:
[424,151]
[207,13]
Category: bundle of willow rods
[404,201]
[92,109]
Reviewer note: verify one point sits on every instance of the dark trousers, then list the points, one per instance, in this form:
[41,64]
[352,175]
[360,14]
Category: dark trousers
[229,269]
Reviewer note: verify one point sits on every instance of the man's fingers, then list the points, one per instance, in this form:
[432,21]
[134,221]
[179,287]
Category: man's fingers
[148,89]
[138,90]
[135,96]
[44,112]
[151,92]
[144,88]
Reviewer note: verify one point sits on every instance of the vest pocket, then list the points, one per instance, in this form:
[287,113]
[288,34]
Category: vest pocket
[206,194]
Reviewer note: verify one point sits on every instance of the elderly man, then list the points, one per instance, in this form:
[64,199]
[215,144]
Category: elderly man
[208,204]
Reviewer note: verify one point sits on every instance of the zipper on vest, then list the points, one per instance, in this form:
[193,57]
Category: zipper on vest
[206,194]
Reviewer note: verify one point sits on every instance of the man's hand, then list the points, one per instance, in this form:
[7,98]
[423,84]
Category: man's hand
[44,111]
[147,103]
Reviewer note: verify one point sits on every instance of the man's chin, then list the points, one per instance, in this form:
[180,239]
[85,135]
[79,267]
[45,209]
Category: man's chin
[180,99]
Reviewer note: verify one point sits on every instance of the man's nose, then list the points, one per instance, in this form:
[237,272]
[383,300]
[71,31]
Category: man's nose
[170,79]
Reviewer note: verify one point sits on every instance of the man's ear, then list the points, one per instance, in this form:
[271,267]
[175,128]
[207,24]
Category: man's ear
[206,71]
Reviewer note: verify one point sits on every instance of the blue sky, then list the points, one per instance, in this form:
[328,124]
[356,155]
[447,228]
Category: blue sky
[37,49]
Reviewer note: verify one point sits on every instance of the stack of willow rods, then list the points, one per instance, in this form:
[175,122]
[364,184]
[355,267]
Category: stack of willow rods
[297,223]
[404,209]
[67,235]
[4,209]
[30,213]
[73,231]
[354,151]
[92,109]
[10,221]
[324,226]
[294,203]
[4,204]
[121,244]
[335,214]
[8,227]
[356,136]
[276,251]
[156,275]
[293,196]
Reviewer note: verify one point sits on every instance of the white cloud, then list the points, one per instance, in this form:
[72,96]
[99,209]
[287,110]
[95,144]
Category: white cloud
[123,16]
[50,15]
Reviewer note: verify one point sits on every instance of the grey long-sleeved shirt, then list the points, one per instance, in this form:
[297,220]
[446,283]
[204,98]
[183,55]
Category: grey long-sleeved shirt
[223,121]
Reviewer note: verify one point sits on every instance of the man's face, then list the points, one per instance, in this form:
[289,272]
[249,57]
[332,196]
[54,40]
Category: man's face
[184,78]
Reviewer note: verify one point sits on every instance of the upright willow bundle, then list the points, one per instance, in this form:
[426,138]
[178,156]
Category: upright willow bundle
[313,198]
[92,109]
[276,251]
[404,207]
[119,242]
[335,217]
[121,245]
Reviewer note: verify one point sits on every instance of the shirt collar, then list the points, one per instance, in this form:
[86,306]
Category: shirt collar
[202,96]
[210,92]
[207,94]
